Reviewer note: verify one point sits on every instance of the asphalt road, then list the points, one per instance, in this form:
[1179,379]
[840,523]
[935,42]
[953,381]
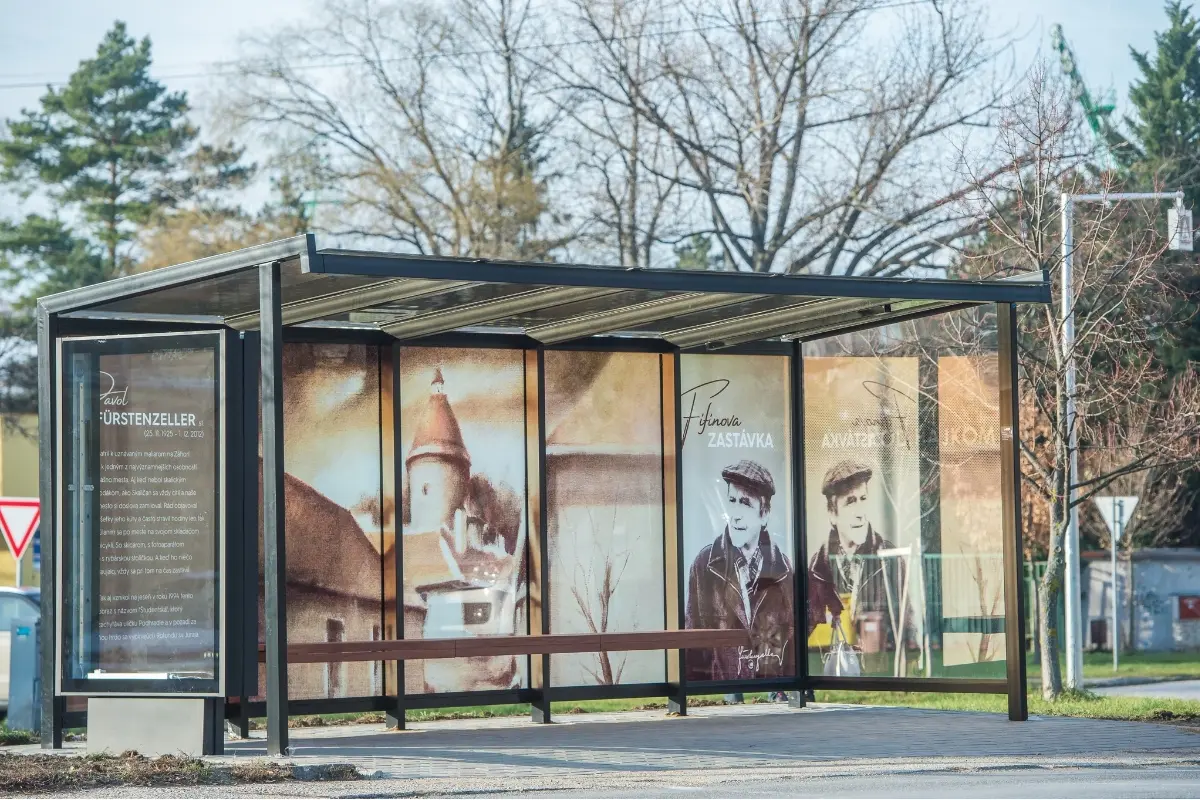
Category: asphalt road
[1115,780]
[765,750]
[1172,690]
[1033,783]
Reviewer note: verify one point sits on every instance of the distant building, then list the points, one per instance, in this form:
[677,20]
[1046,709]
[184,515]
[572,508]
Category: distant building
[1165,610]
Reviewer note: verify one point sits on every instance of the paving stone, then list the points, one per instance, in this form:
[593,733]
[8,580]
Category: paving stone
[733,738]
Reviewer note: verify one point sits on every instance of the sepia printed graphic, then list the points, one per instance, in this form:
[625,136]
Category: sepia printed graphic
[862,467]
[336,510]
[604,484]
[464,510]
[737,493]
[971,513]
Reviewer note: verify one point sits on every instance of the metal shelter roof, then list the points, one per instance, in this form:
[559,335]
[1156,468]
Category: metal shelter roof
[414,296]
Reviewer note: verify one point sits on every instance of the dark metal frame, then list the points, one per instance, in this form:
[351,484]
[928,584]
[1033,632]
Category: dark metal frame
[381,265]
[1010,487]
[142,342]
[273,515]
[68,314]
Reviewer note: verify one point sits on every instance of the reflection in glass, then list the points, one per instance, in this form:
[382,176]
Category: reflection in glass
[902,477]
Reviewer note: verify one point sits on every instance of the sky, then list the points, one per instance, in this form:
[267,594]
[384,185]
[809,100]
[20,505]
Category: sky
[43,41]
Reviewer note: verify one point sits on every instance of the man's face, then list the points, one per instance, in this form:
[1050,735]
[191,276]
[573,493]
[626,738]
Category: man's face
[849,514]
[745,513]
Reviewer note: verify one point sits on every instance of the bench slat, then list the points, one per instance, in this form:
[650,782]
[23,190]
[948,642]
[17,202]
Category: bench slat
[476,646]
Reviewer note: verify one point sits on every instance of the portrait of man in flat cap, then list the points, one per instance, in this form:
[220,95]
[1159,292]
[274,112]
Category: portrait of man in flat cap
[743,580]
[847,567]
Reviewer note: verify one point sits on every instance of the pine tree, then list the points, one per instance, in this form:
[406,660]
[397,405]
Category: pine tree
[102,149]
[103,153]
[1162,153]
[1164,146]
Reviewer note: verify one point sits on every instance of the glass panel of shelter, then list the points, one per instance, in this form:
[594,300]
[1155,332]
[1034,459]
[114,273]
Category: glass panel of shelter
[902,458]
[902,421]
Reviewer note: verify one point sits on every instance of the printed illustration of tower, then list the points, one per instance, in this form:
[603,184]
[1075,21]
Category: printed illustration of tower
[461,575]
[439,468]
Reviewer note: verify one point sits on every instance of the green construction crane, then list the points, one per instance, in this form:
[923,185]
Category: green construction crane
[1097,113]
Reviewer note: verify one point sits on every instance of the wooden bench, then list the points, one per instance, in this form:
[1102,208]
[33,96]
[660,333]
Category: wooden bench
[484,646]
[477,646]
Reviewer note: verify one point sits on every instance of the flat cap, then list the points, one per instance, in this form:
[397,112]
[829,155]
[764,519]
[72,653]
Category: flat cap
[750,475]
[843,475]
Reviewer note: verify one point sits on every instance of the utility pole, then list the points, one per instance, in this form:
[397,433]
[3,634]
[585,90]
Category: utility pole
[1181,238]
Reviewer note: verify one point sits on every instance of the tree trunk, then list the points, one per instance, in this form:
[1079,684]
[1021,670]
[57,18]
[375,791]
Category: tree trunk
[1050,595]
[1048,624]
[1037,614]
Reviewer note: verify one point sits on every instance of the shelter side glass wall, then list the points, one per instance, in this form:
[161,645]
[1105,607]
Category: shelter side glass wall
[904,512]
[912,407]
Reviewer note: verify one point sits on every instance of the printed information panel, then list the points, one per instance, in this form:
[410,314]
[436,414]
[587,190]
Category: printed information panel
[142,543]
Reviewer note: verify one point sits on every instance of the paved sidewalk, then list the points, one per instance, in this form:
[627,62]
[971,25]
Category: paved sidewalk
[713,751]
[1171,690]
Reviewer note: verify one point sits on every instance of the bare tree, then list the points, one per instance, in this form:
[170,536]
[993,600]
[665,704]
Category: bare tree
[808,133]
[429,117]
[594,596]
[1133,418]
[632,168]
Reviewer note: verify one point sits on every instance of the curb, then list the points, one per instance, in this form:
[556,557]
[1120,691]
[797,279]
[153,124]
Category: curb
[343,771]
[1100,683]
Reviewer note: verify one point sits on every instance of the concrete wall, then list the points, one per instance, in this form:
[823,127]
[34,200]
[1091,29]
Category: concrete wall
[1159,576]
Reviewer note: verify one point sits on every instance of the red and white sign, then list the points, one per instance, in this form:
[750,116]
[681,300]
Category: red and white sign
[1189,606]
[18,520]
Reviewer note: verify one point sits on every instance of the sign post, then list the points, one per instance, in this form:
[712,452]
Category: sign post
[1179,222]
[19,518]
[1116,511]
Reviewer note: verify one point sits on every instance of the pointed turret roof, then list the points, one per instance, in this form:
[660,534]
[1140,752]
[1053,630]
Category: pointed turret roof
[438,433]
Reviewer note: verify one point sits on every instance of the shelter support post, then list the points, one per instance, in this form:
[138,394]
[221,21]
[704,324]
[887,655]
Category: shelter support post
[53,706]
[394,717]
[673,565]
[799,698]
[274,551]
[1010,487]
[539,548]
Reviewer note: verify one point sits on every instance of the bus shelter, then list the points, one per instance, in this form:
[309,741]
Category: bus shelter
[293,480]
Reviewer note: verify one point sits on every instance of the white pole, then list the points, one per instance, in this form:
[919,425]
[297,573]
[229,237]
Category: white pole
[1074,624]
[20,565]
[1118,519]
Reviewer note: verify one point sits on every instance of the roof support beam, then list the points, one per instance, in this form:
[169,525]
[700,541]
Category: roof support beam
[493,310]
[342,262]
[142,283]
[765,324]
[299,311]
[900,311]
[629,317]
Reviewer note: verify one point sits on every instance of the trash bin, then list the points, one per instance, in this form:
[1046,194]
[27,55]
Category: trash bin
[24,677]
[872,633]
